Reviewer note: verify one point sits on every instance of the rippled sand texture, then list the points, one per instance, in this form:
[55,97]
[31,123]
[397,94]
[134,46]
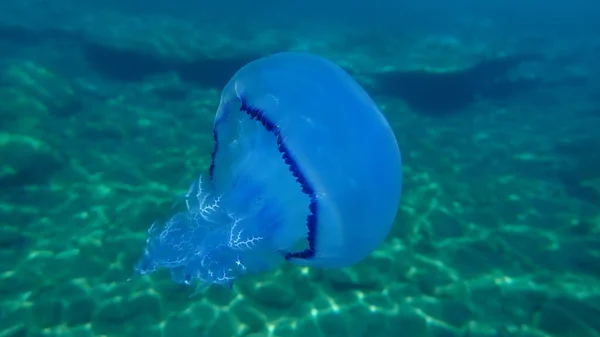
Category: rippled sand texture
[498,235]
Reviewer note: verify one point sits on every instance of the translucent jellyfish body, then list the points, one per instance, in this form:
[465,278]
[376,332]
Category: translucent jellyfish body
[305,169]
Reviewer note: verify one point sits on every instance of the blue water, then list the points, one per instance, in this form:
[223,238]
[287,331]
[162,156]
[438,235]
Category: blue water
[106,123]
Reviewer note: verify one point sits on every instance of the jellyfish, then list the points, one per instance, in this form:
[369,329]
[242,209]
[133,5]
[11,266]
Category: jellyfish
[305,169]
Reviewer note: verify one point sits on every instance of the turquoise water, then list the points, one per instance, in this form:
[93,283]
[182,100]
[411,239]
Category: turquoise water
[106,114]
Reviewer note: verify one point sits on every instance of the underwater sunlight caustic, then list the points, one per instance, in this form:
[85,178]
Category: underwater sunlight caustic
[305,169]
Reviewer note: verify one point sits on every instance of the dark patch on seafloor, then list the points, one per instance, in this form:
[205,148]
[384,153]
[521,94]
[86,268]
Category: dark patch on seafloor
[131,65]
[121,64]
[441,93]
[582,165]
